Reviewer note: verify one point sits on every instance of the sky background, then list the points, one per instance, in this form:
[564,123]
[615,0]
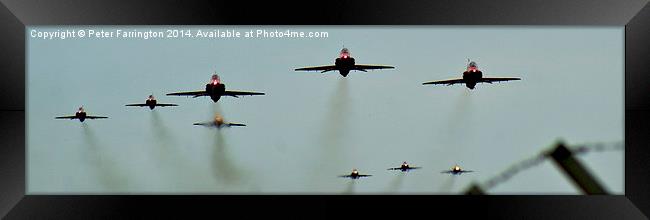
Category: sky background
[311,127]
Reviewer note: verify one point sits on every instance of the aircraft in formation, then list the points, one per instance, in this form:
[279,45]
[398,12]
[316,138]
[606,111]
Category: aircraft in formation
[471,76]
[344,64]
[152,103]
[456,170]
[215,89]
[405,167]
[218,123]
[355,175]
[81,115]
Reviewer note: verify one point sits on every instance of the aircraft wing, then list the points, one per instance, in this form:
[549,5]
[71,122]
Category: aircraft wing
[240,93]
[413,168]
[165,105]
[446,171]
[318,68]
[66,117]
[395,168]
[466,171]
[350,176]
[497,79]
[444,82]
[193,94]
[205,124]
[95,117]
[235,124]
[371,67]
[139,105]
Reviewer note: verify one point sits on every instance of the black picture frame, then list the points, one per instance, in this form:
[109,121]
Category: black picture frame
[634,15]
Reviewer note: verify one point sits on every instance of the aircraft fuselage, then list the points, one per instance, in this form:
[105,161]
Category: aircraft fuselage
[81,116]
[151,103]
[215,90]
[344,65]
[472,77]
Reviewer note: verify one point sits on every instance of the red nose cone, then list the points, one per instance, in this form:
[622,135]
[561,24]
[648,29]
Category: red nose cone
[215,79]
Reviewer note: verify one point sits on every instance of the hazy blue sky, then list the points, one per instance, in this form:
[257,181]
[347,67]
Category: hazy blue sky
[311,127]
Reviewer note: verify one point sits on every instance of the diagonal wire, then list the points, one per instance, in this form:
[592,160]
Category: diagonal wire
[597,147]
[538,159]
[512,170]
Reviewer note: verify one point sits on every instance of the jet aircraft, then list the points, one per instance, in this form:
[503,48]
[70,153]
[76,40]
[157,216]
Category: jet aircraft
[215,89]
[218,122]
[81,115]
[344,63]
[151,103]
[456,170]
[355,175]
[471,76]
[405,167]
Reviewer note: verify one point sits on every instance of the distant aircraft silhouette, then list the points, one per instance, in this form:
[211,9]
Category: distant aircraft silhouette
[215,89]
[81,115]
[471,76]
[405,167]
[344,63]
[218,122]
[456,170]
[354,175]
[151,103]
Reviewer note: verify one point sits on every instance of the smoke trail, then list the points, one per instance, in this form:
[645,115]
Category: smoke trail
[107,173]
[160,131]
[224,169]
[350,187]
[162,136]
[458,124]
[165,150]
[334,128]
[396,183]
[335,121]
[448,185]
